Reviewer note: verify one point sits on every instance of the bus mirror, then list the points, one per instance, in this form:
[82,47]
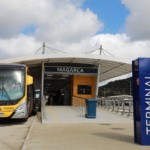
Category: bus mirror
[29,80]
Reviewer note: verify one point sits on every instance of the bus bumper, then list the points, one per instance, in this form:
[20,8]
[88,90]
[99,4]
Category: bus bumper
[21,111]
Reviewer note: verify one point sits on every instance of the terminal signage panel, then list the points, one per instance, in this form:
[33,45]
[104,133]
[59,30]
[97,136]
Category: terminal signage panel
[70,70]
[141,98]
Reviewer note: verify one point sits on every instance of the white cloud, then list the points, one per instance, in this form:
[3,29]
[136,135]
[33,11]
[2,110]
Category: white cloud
[121,46]
[53,20]
[14,16]
[138,22]
[18,46]
[61,24]
[65,26]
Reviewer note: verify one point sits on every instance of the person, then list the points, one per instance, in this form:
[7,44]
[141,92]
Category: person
[50,100]
[62,97]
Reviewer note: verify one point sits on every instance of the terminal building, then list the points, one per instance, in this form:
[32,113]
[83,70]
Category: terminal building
[67,78]
[71,80]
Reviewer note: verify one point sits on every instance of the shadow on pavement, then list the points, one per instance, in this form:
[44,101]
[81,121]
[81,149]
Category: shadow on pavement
[117,136]
[9,122]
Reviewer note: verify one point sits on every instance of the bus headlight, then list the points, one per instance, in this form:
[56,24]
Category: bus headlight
[21,105]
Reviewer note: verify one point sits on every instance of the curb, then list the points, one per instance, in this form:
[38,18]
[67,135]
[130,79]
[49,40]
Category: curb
[28,134]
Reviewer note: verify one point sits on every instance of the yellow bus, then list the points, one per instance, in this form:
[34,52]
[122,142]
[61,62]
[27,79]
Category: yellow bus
[16,92]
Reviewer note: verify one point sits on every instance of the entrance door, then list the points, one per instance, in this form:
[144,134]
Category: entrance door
[57,88]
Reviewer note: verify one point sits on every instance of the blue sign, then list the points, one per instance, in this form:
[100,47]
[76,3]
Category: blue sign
[141,100]
[70,70]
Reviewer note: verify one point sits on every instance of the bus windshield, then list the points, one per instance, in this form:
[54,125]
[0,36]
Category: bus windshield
[11,84]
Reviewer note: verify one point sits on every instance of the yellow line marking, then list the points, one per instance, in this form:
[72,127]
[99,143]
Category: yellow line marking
[53,115]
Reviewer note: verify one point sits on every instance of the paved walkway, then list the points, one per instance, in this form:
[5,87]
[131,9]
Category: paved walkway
[108,132]
[71,114]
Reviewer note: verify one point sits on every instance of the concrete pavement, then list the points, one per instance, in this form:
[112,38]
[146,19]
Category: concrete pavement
[13,133]
[83,136]
[71,114]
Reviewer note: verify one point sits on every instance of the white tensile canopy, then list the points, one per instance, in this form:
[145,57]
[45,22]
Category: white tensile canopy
[110,67]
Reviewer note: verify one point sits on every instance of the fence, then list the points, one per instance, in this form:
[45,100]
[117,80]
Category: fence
[119,104]
[79,103]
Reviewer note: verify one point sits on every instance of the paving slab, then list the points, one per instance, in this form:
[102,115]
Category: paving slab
[93,136]
[13,133]
[108,132]
[71,114]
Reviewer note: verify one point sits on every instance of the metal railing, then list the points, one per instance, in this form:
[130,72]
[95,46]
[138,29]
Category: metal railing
[118,104]
[79,103]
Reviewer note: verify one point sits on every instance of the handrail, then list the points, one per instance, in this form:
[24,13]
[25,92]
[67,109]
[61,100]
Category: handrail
[79,97]
[79,103]
[117,104]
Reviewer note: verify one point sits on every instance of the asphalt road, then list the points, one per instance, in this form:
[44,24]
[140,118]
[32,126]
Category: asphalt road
[13,133]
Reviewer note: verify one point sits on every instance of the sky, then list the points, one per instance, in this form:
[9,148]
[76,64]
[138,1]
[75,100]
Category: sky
[111,12]
[122,27]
